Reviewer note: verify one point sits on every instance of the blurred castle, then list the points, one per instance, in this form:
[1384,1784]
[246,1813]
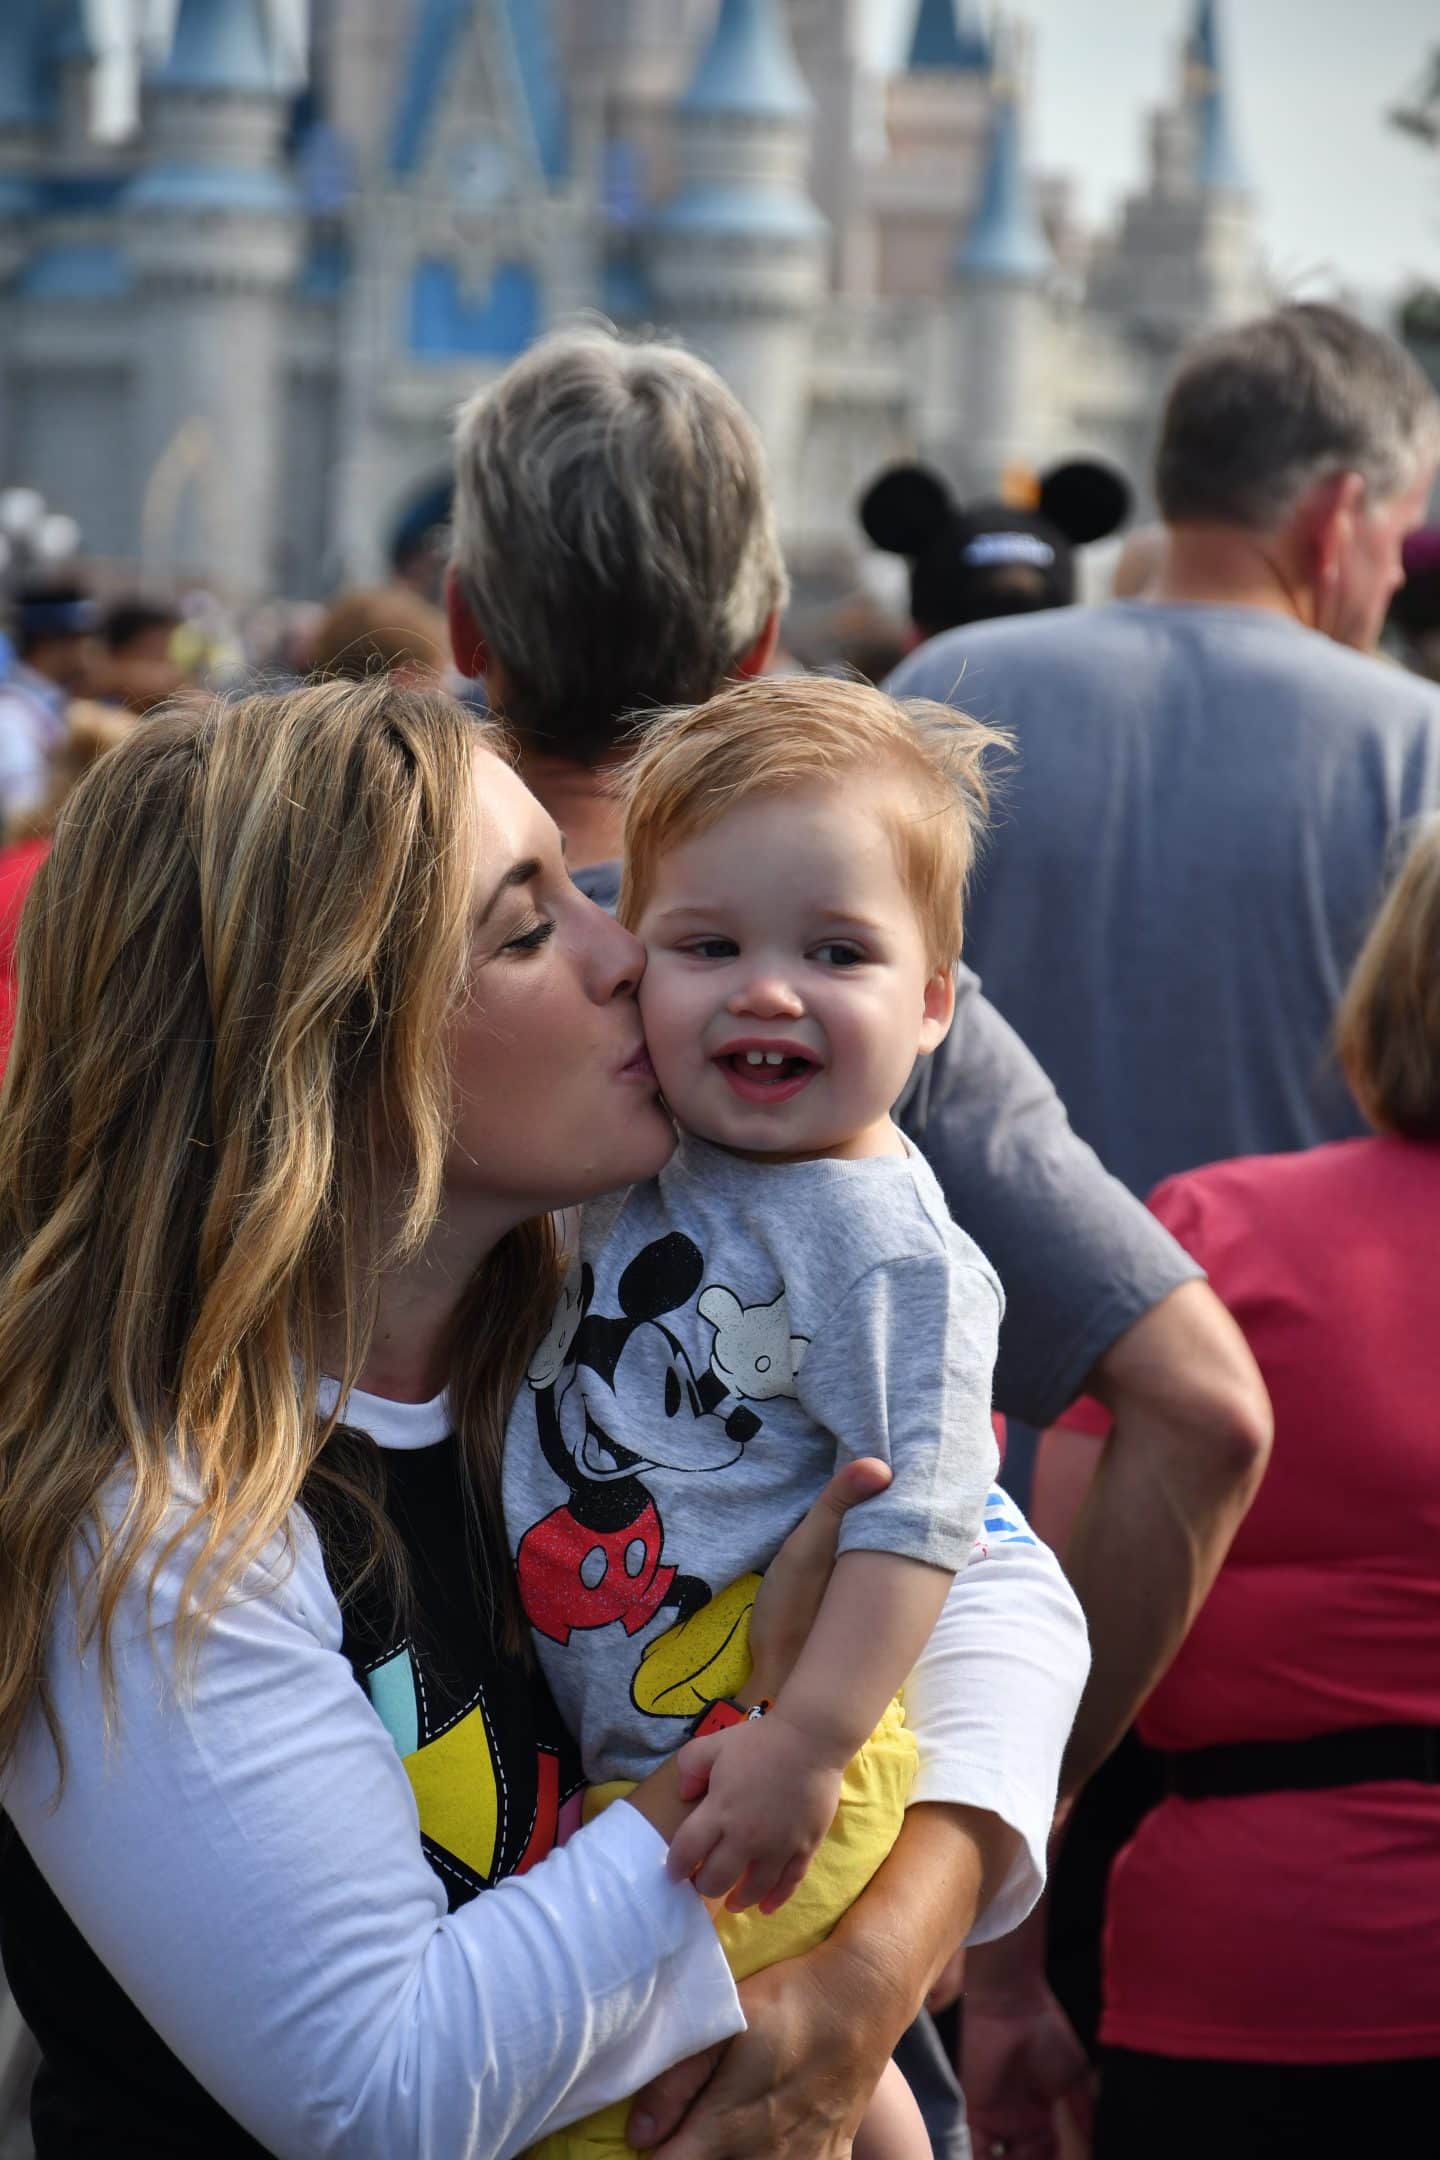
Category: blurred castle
[254,252]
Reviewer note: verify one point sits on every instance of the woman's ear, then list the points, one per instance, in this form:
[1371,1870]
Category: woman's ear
[937,1011]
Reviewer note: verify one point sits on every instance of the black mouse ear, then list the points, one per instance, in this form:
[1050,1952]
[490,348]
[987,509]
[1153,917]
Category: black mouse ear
[661,1278]
[905,508]
[1085,499]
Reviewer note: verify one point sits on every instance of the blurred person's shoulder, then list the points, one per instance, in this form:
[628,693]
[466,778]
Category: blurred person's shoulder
[1018,650]
[1256,1203]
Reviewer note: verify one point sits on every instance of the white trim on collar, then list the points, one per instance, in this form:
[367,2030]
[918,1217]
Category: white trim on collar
[390,1424]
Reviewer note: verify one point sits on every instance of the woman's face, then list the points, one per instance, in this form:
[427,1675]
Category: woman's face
[555,1098]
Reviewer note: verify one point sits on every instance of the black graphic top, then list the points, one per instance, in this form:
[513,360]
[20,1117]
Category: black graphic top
[485,1752]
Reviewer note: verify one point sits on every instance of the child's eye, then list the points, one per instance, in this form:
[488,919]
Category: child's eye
[531,940]
[712,948]
[839,955]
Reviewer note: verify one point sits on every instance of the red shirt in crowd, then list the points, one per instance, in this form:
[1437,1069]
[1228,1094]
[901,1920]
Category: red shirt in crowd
[1303,1927]
[18,865]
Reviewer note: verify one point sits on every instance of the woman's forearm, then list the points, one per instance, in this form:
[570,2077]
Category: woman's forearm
[923,1902]
[245,1860]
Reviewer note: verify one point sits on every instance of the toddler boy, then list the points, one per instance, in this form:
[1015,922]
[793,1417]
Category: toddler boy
[788,1293]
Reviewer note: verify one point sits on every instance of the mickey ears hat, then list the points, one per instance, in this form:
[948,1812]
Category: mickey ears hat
[990,558]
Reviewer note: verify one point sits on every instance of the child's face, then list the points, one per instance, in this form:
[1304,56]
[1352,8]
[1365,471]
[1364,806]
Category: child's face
[786,931]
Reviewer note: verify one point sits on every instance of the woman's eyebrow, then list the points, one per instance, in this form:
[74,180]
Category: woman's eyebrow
[519,873]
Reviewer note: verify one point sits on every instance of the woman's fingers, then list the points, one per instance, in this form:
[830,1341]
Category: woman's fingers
[660,2107]
[795,1581]
[853,1482]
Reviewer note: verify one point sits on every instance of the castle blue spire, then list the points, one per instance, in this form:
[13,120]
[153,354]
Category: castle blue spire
[942,42]
[749,66]
[1218,167]
[24,91]
[1006,239]
[435,42]
[222,45]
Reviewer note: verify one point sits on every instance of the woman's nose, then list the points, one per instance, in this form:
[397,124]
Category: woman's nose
[767,997]
[617,959]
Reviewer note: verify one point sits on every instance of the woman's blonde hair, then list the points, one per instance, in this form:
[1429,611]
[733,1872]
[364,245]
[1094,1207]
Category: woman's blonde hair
[694,765]
[227,1108]
[1387,1033]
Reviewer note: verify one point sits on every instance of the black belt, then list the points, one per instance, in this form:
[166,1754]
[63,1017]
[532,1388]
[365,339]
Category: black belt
[1365,1755]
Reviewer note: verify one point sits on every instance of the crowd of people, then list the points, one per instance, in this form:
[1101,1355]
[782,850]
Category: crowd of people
[524,1059]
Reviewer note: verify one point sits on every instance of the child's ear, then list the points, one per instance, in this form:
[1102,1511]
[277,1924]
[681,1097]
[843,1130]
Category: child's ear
[938,1010]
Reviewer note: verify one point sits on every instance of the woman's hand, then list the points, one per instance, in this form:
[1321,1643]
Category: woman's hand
[823,2026]
[821,2030]
[780,1619]
[797,1578]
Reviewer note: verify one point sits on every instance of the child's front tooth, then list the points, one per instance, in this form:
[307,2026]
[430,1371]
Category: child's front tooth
[755,1057]
[774,1057]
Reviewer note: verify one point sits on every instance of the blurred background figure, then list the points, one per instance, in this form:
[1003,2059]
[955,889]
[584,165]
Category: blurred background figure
[972,561]
[853,636]
[381,630]
[88,730]
[1270,1985]
[420,543]
[56,657]
[1412,628]
[1140,565]
[139,665]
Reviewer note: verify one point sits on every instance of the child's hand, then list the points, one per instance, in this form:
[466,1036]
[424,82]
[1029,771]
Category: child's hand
[770,1795]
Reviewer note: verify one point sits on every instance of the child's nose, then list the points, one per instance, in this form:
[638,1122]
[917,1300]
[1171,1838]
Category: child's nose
[767,997]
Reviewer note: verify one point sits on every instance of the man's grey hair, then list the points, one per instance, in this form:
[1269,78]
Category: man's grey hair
[1258,414]
[615,537]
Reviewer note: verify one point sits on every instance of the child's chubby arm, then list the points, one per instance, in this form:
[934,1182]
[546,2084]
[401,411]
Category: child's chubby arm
[771,1786]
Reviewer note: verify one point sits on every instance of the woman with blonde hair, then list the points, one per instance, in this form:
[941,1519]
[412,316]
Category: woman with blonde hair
[314,1033]
[1271,1985]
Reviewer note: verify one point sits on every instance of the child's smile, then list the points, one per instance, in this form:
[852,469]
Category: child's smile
[787,990]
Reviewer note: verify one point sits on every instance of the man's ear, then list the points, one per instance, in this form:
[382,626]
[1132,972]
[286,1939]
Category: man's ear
[762,652]
[1328,518]
[467,644]
[938,1010]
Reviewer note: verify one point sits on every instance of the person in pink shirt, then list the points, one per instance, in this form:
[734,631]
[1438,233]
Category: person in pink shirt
[1271,1978]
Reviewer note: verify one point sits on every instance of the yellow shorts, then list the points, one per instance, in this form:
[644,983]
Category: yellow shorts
[867,1823]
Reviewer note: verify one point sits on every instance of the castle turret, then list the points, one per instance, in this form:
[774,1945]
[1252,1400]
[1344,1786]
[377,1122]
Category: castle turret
[738,251]
[985,398]
[1217,166]
[938,127]
[213,226]
[947,40]
[835,47]
[1186,256]
[26,102]
[23,112]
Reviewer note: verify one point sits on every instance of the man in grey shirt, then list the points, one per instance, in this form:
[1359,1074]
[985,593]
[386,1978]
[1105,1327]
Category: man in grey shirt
[615,549]
[1210,785]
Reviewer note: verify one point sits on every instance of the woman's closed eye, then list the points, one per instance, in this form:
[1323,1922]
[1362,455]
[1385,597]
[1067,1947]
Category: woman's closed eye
[532,939]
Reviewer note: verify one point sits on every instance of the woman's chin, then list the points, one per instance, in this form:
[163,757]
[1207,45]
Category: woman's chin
[647,1150]
[640,1150]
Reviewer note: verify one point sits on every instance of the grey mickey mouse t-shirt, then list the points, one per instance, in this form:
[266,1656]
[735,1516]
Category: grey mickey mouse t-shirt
[729,1333]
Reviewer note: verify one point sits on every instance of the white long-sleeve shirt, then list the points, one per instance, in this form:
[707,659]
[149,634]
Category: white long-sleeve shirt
[244,1858]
